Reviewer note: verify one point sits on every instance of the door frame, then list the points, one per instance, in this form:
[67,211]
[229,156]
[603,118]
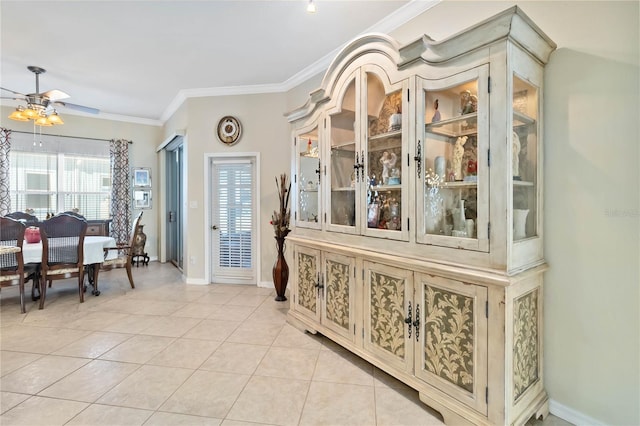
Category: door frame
[177,144]
[208,158]
[161,197]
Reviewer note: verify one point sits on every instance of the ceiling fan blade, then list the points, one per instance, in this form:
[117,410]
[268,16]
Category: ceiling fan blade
[13,91]
[15,98]
[78,107]
[55,95]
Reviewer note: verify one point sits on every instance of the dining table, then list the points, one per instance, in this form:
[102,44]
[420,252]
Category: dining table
[93,255]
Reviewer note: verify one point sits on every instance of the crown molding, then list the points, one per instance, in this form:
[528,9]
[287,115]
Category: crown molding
[124,118]
[399,17]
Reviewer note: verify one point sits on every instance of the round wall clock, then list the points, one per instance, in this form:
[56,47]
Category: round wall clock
[229,130]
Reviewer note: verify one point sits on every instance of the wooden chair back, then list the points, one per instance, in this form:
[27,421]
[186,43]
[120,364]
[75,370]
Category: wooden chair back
[27,218]
[11,235]
[62,251]
[135,231]
[11,260]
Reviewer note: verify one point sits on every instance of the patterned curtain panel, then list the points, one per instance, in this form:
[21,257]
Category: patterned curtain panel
[120,192]
[5,147]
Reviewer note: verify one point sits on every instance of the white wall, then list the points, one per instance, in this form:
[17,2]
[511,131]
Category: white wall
[264,130]
[141,153]
[592,198]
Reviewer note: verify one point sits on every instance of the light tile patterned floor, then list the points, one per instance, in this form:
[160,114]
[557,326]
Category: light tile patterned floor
[168,353]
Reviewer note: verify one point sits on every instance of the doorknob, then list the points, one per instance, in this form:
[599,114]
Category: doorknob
[214,227]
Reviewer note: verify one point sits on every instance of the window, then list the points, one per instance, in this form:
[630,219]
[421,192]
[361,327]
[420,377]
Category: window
[62,175]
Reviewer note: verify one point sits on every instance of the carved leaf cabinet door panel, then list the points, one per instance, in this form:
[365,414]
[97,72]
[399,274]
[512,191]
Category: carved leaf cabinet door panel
[388,328]
[451,350]
[338,313]
[307,267]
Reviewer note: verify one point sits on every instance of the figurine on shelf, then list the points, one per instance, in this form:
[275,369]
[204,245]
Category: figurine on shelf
[472,167]
[458,152]
[309,146]
[394,177]
[388,161]
[515,162]
[436,115]
[395,121]
[468,102]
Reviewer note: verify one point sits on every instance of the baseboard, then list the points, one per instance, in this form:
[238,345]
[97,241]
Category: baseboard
[198,281]
[266,284]
[572,416]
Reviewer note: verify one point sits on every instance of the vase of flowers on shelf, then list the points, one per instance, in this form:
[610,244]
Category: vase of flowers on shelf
[280,222]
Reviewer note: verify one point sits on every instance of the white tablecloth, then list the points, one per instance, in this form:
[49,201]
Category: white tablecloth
[93,250]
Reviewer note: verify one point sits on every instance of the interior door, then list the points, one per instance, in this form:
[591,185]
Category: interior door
[175,160]
[233,220]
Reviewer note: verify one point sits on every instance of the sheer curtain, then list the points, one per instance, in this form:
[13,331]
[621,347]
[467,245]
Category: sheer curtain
[120,192]
[5,147]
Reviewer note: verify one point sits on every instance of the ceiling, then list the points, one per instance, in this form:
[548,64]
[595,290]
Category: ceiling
[137,59]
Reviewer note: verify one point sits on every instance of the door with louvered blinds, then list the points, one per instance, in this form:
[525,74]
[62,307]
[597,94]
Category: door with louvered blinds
[233,221]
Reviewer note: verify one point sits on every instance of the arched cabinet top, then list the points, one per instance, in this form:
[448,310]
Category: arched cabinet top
[380,44]
[512,25]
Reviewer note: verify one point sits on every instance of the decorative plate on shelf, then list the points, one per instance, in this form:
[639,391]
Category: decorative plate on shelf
[229,130]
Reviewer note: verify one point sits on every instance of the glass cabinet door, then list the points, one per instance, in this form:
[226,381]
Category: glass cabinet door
[386,178]
[524,159]
[307,178]
[452,161]
[343,172]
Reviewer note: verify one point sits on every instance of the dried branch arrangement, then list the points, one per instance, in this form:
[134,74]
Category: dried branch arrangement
[280,219]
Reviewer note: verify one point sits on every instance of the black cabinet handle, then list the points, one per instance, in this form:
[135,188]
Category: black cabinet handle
[416,323]
[407,320]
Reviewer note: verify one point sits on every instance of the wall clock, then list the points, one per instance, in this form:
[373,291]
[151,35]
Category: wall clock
[229,130]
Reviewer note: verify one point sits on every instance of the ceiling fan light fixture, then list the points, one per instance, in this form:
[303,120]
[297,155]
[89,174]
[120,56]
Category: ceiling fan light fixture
[18,114]
[54,118]
[311,7]
[31,113]
[42,121]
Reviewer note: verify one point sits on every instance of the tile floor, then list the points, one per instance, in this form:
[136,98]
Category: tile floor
[168,353]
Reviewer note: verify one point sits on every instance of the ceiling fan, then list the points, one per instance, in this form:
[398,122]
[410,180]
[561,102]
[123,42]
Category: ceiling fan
[41,106]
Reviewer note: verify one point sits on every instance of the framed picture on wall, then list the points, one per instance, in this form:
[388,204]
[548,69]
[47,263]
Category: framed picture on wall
[141,177]
[142,199]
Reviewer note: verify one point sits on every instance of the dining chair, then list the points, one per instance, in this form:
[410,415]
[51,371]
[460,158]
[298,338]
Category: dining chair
[125,252]
[62,251]
[12,267]
[72,213]
[27,218]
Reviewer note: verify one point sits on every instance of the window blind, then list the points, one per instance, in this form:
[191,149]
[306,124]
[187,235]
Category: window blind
[236,214]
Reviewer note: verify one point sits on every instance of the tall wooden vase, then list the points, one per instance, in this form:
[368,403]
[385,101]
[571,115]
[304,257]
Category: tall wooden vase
[280,271]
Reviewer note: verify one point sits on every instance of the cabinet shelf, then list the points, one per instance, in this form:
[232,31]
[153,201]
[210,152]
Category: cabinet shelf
[397,187]
[309,155]
[344,146]
[385,141]
[453,127]
[520,119]
[455,185]
[343,189]
[522,183]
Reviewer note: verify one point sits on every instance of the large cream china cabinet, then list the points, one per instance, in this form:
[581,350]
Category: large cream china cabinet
[418,215]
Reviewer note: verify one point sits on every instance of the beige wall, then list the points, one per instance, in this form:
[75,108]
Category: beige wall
[297,96]
[142,152]
[265,131]
[592,198]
